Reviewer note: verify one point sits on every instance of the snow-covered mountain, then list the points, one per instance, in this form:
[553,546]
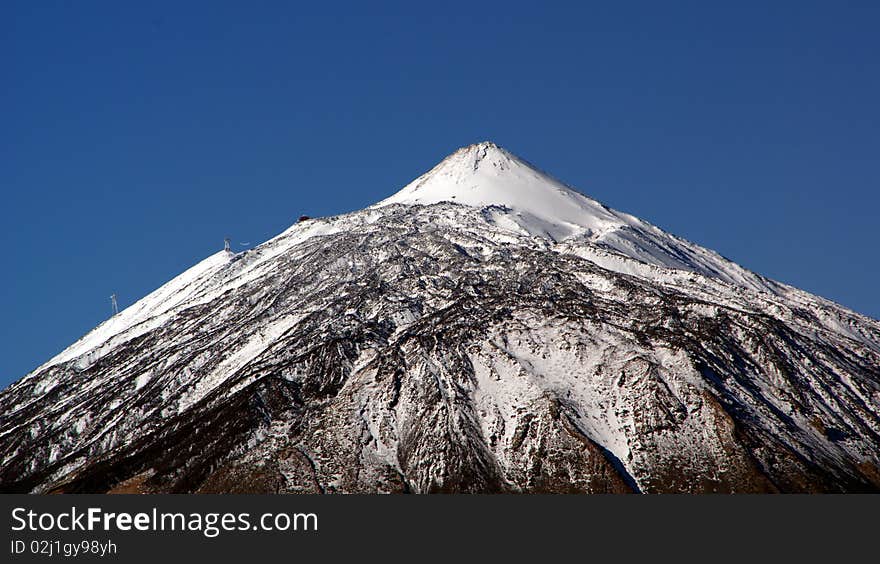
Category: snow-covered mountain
[486,328]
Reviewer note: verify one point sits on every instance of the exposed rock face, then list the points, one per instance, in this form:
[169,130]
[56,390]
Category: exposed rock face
[449,347]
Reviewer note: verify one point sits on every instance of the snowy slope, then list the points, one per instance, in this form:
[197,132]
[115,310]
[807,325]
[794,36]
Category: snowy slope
[486,328]
[203,282]
[147,313]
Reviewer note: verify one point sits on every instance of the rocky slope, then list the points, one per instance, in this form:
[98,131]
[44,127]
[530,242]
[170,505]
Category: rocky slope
[485,329]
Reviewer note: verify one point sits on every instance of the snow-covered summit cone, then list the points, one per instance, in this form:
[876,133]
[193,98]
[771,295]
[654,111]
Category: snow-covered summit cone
[485,174]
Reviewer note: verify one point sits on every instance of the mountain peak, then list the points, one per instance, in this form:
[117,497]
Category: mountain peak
[482,145]
[469,159]
[480,151]
[485,174]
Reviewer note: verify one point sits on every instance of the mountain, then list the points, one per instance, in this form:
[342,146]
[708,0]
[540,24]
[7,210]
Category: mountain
[485,329]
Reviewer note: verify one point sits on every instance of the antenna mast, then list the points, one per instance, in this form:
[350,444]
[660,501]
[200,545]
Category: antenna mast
[113,304]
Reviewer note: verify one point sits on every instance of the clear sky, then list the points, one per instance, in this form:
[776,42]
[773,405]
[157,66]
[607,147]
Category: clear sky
[136,135]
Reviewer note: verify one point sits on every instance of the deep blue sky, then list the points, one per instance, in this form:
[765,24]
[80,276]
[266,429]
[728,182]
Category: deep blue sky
[136,135]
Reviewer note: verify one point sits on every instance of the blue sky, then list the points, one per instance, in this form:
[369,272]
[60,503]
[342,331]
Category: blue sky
[136,135]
